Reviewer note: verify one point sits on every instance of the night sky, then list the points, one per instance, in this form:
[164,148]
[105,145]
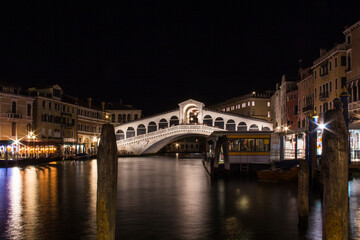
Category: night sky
[155,54]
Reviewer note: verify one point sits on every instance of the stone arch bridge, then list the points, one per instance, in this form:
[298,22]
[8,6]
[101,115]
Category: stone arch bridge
[150,134]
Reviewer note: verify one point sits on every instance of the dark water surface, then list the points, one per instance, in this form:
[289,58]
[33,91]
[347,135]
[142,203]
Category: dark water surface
[158,198]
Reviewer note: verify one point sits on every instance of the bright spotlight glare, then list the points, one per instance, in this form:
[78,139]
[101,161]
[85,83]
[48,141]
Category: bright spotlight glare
[322,126]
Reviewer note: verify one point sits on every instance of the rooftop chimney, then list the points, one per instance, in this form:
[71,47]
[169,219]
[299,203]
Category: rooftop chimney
[277,86]
[322,52]
[103,106]
[283,78]
[89,102]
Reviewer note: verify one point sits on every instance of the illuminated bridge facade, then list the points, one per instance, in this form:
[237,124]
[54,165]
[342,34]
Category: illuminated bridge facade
[150,134]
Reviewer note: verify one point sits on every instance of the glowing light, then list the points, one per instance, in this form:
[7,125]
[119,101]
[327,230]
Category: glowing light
[322,126]
[286,128]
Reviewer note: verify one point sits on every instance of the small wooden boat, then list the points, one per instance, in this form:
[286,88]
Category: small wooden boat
[278,174]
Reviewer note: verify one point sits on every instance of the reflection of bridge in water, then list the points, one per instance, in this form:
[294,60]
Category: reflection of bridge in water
[149,135]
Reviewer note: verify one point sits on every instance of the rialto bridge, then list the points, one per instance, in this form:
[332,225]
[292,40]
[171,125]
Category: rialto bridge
[150,134]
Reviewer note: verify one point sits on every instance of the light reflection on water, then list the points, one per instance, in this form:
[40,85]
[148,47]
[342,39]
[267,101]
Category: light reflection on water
[158,198]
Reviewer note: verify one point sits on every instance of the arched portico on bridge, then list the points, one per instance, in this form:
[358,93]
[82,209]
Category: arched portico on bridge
[190,113]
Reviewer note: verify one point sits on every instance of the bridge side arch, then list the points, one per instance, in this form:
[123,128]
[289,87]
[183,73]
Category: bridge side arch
[242,127]
[208,121]
[141,129]
[119,135]
[219,122]
[163,123]
[254,127]
[130,132]
[174,121]
[230,125]
[152,127]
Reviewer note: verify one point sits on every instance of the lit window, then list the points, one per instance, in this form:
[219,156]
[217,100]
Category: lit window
[253,103]
[268,104]
[228,109]
[223,109]
[268,114]
[248,103]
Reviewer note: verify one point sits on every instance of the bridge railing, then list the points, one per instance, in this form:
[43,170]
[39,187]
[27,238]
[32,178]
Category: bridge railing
[167,130]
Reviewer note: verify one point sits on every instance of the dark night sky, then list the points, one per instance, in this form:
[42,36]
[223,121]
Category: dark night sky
[155,54]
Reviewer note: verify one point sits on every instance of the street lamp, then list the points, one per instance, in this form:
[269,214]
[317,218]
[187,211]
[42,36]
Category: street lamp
[177,147]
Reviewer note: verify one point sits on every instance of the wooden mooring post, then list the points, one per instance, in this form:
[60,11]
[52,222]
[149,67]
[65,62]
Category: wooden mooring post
[303,192]
[335,177]
[107,165]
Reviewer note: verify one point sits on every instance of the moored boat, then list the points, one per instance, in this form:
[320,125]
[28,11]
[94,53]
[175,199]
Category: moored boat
[278,174]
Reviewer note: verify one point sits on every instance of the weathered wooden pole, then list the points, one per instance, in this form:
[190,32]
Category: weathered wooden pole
[335,174]
[107,165]
[225,146]
[303,192]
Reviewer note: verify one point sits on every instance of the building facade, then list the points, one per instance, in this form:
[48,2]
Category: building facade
[16,119]
[352,41]
[90,120]
[329,71]
[122,113]
[305,98]
[254,104]
[292,108]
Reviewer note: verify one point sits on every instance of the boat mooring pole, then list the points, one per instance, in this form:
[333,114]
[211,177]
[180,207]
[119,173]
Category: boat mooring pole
[335,177]
[303,192]
[107,165]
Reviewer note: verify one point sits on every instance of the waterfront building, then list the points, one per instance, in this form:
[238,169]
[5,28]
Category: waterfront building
[122,113]
[329,71]
[69,119]
[305,98]
[292,108]
[16,120]
[278,108]
[91,117]
[352,42]
[254,104]
[47,119]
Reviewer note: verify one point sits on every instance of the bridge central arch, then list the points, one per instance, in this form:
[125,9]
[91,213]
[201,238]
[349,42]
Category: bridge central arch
[191,119]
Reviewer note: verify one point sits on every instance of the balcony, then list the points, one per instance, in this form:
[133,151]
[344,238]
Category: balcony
[14,115]
[308,108]
[324,95]
[68,125]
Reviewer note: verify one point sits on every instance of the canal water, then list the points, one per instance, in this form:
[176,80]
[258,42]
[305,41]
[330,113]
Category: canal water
[158,198]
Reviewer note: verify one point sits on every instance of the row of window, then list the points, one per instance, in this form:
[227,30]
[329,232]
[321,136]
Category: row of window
[242,105]
[87,128]
[249,145]
[123,117]
[328,87]
[50,118]
[14,108]
[92,114]
[324,69]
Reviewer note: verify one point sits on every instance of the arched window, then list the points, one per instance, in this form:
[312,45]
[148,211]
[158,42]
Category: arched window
[208,120]
[254,127]
[28,110]
[136,117]
[112,117]
[13,107]
[124,117]
[242,127]
[174,121]
[266,129]
[230,125]
[163,123]
[119,118]
[219,122]
[130,132]
[141,130]
[152,127]
[119,135]
[128,117]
